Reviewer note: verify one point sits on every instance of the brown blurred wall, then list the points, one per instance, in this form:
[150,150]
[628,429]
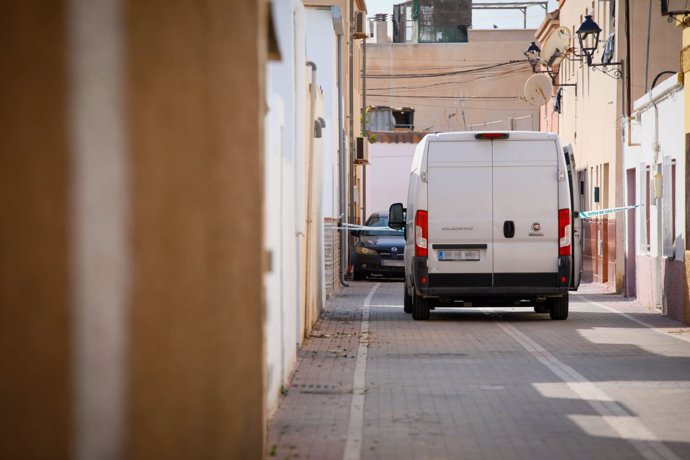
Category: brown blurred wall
[35,316]
[131,309]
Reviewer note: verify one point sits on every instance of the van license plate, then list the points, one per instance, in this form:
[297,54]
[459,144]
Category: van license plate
[458,255]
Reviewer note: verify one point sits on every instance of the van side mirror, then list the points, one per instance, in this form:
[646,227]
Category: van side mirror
[396,216]
[356,233]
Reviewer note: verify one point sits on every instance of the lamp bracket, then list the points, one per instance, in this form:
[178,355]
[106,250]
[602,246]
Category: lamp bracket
[612,69]
[674,15]
[684,18]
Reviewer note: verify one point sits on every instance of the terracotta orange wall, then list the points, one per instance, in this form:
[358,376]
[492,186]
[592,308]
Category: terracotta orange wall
[195,111]
[34,226]
[193,103]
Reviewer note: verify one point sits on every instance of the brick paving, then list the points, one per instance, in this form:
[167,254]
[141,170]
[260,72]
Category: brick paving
[485,384]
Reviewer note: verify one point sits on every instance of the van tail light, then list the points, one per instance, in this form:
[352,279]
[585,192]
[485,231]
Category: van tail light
[421,234]
[491,135]
[564,248]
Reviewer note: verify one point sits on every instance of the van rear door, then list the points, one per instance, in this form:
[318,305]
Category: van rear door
[525,212]
[576,221]
[460,196]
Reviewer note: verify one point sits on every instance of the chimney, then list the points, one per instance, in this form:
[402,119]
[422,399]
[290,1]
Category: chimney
[381,28]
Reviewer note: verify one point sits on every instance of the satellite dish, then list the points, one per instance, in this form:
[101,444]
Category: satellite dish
[538,89]
[556,46]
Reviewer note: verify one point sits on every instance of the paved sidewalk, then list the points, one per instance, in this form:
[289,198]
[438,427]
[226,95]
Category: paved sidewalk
[313,417]
[613,381]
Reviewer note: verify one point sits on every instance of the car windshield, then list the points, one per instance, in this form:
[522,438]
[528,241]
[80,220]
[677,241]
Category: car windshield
[380,221]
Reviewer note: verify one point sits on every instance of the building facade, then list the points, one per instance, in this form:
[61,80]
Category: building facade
[596,111]
[655,231]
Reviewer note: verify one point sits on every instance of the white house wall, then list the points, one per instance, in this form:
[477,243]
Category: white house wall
[281,204]
[322,50]
[388,174]
[656,274]
[301,74]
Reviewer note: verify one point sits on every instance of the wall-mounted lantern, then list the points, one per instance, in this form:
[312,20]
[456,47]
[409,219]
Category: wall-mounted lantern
[588,37]
[557,49]
[532,55]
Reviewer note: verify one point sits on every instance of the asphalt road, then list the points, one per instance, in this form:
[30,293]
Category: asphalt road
[612,381]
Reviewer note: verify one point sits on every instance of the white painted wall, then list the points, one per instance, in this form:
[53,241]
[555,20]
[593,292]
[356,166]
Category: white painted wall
[301,75]
[388,174]
[284,138]
[671,143]
[304,34]
[322,50]
[659,122]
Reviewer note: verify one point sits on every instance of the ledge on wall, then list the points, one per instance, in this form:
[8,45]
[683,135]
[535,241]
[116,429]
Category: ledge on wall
[396,137]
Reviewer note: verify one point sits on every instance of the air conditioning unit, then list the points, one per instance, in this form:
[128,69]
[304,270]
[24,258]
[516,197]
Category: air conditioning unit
[360,24]
[362,151]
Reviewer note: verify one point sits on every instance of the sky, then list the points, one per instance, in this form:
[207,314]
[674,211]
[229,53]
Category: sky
[482,19]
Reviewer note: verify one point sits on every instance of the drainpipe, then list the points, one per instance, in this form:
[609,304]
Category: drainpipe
[628,78]
[363,124]
[351,131]
[649,36]
[657,201]
[337,17]
[310,185]
[685,75]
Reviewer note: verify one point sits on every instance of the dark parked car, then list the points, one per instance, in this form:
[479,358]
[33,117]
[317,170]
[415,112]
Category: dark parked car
[378,252]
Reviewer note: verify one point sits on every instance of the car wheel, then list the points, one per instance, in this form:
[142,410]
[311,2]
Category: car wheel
[420,308]
[559,308]
[358,275]
[407,303]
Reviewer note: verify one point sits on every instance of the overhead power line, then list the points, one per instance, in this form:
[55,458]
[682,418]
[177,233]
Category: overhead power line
[444,74]
[466,82]
[444,97]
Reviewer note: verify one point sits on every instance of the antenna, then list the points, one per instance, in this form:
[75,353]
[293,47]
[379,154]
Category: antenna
[538,89]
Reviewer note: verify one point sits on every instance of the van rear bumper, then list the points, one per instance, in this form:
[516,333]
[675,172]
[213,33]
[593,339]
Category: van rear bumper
[488,284]
[491,291]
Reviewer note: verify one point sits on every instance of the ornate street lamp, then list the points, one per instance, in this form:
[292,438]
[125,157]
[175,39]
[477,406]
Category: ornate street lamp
[532,55]
[588,36]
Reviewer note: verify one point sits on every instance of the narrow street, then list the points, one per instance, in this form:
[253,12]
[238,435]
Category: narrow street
[613,381]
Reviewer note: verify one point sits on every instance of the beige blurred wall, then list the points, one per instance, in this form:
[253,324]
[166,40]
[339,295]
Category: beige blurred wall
[131,310]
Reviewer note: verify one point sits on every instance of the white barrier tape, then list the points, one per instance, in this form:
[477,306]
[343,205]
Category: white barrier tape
[346,226]
[581,215]
[601,212]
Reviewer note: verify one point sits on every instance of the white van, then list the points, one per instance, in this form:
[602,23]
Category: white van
[490,221]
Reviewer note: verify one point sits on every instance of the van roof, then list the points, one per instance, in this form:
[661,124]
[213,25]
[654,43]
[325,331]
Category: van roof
[470,135]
